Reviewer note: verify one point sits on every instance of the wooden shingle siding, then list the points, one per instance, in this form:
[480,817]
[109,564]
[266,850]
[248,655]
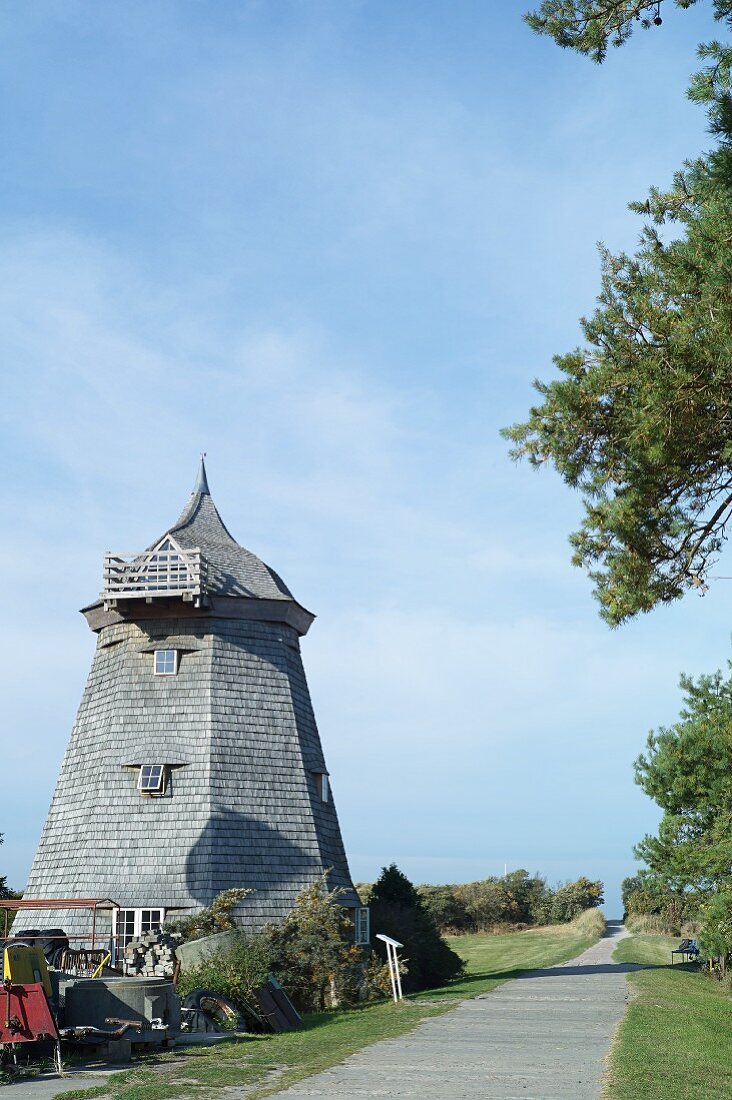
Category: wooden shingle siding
[235,728]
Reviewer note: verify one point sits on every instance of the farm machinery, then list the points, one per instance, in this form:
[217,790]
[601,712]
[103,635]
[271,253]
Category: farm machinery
[52,993]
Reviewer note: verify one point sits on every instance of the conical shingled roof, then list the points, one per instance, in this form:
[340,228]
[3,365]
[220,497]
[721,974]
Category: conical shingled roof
[230,569]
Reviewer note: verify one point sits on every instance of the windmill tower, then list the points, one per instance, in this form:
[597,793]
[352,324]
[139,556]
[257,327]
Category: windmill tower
[194,765]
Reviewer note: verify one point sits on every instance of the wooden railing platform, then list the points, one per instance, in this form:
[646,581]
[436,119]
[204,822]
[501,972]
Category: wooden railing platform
[154,574]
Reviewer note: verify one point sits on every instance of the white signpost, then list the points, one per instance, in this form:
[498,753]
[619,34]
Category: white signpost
[393,960]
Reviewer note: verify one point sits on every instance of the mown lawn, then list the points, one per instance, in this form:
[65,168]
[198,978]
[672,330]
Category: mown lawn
[675,1041]
[492,959]
[271,1062]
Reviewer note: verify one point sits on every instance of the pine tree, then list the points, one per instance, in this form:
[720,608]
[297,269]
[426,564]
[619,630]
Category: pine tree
[398,911]
[687,771]
[639,423]
[590,26]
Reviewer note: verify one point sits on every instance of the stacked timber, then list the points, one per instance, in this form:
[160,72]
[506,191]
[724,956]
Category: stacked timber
[152,955]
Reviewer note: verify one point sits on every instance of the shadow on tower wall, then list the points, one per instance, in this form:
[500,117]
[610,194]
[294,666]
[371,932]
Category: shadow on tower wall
[237,850]
[276,646]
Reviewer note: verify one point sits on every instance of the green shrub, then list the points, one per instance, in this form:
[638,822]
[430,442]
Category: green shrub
[398,911]
[217,917]
[236,972]
[515,900]
[643,895]
[571,899]
[486,905]
[312,952]
[652,923]
[445,907]
[528,894]
[377,977]
[630,886]
[715,937]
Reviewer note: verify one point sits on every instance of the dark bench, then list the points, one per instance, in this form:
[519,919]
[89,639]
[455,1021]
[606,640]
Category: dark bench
[688,949]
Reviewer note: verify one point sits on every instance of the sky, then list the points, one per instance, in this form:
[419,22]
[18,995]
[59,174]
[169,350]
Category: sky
[330,243]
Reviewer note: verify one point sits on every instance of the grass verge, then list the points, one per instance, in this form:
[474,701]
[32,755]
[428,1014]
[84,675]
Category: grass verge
[674,1042]
[272,1062]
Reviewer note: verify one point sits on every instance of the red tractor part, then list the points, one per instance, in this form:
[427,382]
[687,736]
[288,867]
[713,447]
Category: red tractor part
[26,1014]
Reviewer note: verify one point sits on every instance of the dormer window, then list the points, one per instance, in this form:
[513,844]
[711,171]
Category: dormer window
[151,778]
[323,786]
[166,662]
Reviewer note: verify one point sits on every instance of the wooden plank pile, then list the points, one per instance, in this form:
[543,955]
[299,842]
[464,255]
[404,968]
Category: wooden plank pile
[152,955]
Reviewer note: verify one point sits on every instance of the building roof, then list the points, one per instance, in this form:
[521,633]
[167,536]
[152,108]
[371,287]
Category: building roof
[230,569]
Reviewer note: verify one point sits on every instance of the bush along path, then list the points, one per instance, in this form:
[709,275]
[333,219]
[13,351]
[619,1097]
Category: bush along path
[542,1036]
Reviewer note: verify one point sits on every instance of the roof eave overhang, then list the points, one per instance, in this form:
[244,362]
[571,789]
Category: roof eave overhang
[290,612]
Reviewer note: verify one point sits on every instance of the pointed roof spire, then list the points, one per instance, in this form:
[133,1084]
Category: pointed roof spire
[201,485]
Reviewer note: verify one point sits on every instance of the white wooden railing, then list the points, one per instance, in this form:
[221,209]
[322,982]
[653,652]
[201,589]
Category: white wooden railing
[154,573]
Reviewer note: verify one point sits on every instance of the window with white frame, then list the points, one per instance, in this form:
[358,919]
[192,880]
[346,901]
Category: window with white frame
[130,924]
[123,928]
[151,778]
[166,662]
[362,922]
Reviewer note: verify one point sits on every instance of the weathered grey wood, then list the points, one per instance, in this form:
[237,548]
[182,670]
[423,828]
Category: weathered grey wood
[236,730]
[154,573]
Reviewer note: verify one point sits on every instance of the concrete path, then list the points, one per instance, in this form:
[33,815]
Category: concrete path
[539,1037]
[49,1085]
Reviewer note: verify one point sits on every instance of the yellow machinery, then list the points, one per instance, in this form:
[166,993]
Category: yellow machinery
[25,996]
[26,966]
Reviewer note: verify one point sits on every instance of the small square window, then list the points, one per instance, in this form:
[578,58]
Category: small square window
[151,777]
[166,662]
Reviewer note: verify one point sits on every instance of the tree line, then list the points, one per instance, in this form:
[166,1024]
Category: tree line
[512,901]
